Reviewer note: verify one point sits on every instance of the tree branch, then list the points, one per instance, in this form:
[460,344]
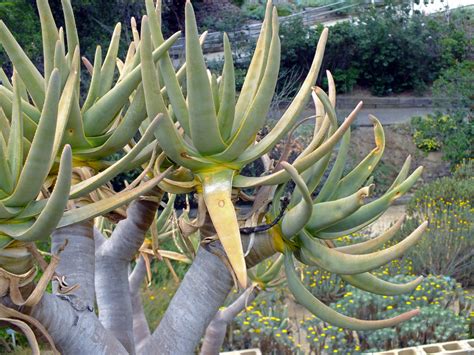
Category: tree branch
[76,260]
[215,332]
[202,291]
[75,332]
[112,262]
[141,330]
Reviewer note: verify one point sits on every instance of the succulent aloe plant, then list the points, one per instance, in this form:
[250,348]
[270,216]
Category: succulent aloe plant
[111,114]
[204,138]
[215,135]
[24,167]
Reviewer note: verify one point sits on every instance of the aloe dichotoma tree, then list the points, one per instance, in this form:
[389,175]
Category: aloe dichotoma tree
[195,135]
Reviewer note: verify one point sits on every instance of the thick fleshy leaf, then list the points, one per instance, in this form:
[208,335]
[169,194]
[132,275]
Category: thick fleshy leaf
[327,314]
[373,284]
[49,33]
[38,162]
[303,164]
[297,217]
[294,110]
[169,138]
[328,213]
[336,172]
[202,115]
[255,70]
[101,114]
[26,69]
[257,111]
[6,182]
[170,79]
[5,81]
[227,103]
[123,133]
[108,68]
[71,29]
[348,264]
[217,190]
[94,88]
[352,181]
[15,146]
[101,178]
[367,213]
[66,103]
[109,204]
[373,243]
[54,208]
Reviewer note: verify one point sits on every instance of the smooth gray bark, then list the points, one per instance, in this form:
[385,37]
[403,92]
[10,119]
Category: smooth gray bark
[75,332]
[113,258]
[70,319]
[76,260]
[216,331]
[202,291]
[141,330]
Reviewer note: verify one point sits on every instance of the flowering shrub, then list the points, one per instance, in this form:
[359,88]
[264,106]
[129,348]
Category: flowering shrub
[264,324]
[446,248]
[452,134]
[439,321]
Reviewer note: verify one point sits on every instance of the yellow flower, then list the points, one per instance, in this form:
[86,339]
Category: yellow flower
[152,297]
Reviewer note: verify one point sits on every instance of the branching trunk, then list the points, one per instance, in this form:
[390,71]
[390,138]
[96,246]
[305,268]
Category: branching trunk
[141,330]
[75,332]
[197,300]
[113,258]
[76,259]
[215,332]
[70,319]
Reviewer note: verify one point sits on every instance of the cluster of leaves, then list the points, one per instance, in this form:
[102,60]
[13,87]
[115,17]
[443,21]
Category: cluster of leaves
[453,132]
[438,321]
[97,21]
[454,89]
[386,51]
[446,248]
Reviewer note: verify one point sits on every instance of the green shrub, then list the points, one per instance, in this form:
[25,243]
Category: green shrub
[28,33]
[324,285]
[464,170]
[438,321]
[399,52]
[346,79]
[454,90]
[254,11]
[447,247]
[386,51]
[264,324]
[452,134]
[238,2]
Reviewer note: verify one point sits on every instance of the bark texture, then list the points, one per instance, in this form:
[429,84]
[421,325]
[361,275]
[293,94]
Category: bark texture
[202,291]
[113,258]
[75,332]
[141,330]
[215,332]
[76,260]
